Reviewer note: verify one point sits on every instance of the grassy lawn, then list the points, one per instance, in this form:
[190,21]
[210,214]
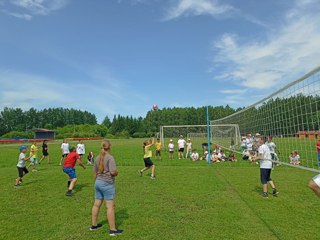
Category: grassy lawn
[188,200]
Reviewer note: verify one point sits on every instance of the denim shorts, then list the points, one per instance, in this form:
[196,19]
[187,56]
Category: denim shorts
[104,190]
[71,172]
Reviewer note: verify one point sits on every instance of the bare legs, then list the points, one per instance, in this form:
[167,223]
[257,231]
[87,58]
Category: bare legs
[110,213]
[314,187]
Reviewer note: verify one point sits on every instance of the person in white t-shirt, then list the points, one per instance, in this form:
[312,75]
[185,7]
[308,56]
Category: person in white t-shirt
[273,148]
[248,142]
[194,155]
[181,144]
[294,158]
[64,150]
[243,144]
[264,157]
[171,149]
[81,150]
[189,148]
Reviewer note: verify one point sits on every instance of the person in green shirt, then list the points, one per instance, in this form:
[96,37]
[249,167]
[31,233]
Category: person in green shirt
[147,158]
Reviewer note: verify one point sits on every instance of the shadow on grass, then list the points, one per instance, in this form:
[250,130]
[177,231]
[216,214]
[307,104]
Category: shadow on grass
[79,187]
[121,216]
[257,189]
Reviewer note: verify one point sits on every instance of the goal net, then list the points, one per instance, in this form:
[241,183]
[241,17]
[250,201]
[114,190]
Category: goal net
[291,116]
[225,135]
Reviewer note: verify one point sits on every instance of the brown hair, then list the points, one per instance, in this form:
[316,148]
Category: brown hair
[105,147]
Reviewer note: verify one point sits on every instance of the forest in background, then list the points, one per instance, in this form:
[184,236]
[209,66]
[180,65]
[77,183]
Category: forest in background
[16,123]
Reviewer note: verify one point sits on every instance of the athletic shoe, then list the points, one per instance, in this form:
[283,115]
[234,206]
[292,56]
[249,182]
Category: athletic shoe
[153,177]
[275,192]
[93,228]
[115,232]
[265,195]
[34,170]
[140,173]
[17,185]
[69,193]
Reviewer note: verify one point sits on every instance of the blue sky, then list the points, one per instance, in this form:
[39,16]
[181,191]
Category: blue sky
[122,56]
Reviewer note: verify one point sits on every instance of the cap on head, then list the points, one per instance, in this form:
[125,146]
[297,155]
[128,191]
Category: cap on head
[181,136]
[171,140]
[23,147]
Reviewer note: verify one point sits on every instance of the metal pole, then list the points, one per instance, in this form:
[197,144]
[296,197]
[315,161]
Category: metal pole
[208,132]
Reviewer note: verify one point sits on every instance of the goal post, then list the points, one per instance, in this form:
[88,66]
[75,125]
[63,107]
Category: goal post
[221,134]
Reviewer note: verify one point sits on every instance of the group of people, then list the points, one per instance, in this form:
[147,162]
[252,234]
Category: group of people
[105,171]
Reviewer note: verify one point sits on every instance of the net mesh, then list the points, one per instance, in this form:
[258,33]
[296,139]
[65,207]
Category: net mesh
[290,115]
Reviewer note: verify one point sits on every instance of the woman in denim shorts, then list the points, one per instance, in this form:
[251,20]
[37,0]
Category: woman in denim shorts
[105,171]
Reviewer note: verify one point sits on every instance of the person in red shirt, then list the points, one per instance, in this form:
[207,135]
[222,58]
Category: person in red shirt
[68,168]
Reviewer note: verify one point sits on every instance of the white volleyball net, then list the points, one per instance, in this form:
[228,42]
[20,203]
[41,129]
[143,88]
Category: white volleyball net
[291,116]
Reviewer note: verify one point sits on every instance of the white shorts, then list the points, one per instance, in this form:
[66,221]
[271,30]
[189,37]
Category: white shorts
[34,161]
[316,179]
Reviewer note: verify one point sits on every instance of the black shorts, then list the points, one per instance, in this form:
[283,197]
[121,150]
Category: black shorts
[181,149]
[147,162]
[158,153]
[45,153]
[21,171]
[265,175]
[65,155]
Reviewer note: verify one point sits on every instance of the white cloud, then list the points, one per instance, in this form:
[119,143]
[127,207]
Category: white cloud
[100,93]
[26,9]
[233,91]
[289,51]
[196,8]
[40,7]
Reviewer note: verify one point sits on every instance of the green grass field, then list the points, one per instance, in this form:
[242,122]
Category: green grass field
[188,200]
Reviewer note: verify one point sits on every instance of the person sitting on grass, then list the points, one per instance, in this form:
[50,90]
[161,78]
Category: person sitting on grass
[105,171]
[245,154]
[21,166]
[205,156]
[232,157]
[90,158]
[68,168]
[221,156]
[194,155]
[214,157]
[294,158]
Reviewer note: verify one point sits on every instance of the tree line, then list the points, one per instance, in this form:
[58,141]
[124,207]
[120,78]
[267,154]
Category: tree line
[14,122]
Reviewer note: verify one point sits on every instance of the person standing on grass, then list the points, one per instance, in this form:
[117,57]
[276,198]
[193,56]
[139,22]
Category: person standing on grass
[45,153]
[81,150]
[34,161]
[318,151]
[264,156]
[189,148]
[148,164]
[21,166]
[181,143]
[158,149]
[68,168]
[64,150]
[105,171]
[171,149]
